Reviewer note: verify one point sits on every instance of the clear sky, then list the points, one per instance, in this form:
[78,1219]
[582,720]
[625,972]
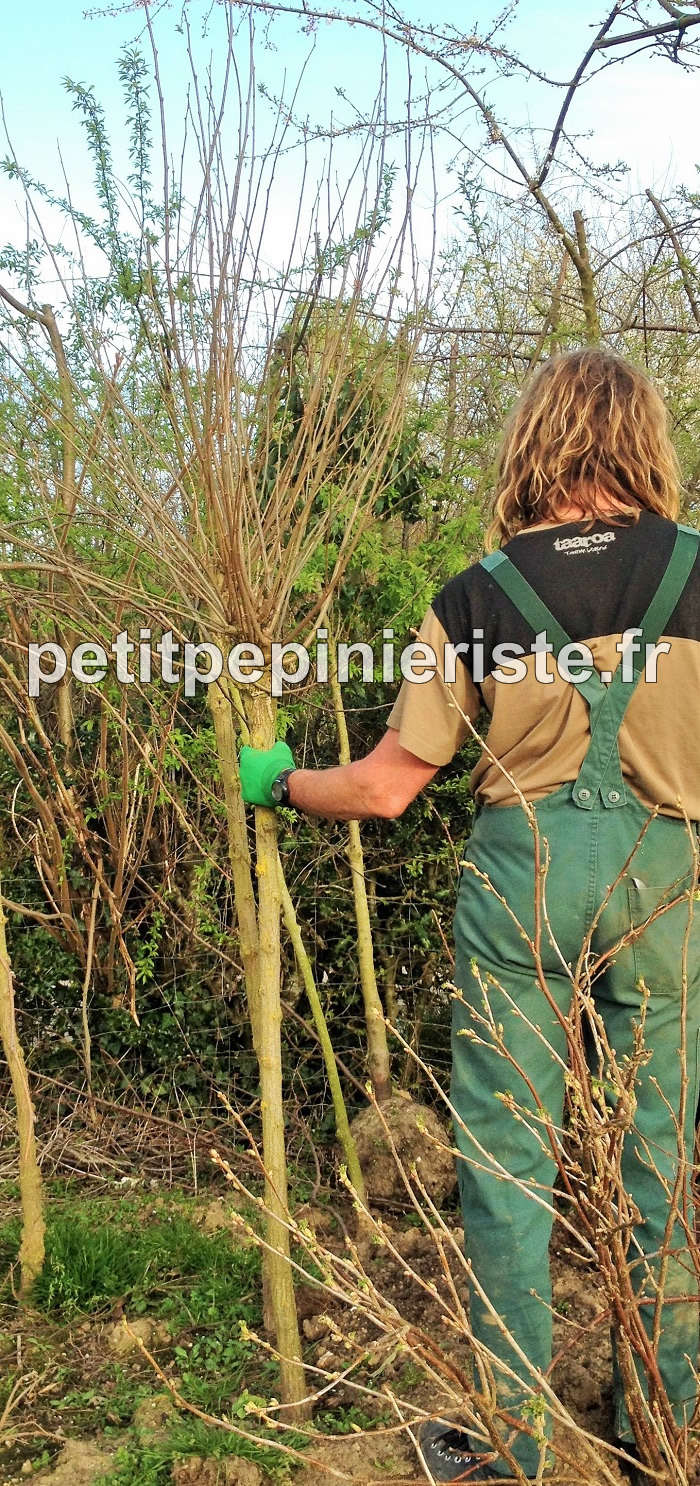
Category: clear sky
[645,112]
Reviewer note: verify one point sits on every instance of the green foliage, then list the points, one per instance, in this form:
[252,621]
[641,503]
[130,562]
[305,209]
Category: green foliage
[348,1420]
[339,253]
[133,73]
[147,952]
[93,116]
[22,264]
[151,1463]
[205,1288]
[92,1262]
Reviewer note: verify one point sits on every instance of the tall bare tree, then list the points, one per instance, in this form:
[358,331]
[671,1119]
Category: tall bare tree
[241,493]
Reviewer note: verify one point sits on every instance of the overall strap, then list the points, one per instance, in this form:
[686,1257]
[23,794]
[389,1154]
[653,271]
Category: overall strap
[601,771]
[532,609]
[680,566]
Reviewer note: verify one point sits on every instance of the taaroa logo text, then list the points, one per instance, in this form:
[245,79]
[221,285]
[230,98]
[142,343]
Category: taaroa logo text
[596,543]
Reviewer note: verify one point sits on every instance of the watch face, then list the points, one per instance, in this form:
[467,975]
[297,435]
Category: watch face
[278,789]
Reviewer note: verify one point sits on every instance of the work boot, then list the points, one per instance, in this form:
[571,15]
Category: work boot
[449,1456]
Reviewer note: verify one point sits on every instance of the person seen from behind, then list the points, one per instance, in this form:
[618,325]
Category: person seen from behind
[585,549]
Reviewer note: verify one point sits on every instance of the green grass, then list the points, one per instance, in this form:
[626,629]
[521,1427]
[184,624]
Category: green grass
[161,1264]
[349,1419]
[94,1259]
[155,1261]
[151,1464]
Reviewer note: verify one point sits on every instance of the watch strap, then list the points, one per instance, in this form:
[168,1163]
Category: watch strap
[282,780]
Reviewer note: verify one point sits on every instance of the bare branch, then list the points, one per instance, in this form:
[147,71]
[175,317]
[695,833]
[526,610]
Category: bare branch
[683,264]
[572,90]
[650,33]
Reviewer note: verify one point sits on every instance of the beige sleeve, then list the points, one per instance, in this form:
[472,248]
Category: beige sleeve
[428,714]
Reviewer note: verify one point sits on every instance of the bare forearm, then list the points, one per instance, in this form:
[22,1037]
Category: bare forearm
[344,793]
[382,784]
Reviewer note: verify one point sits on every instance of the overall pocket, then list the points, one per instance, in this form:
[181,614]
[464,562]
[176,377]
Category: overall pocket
[662,914]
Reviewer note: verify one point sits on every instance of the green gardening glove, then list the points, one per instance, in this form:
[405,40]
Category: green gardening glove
[259,767]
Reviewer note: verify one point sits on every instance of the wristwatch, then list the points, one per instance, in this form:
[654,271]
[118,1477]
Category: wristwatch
[279,789]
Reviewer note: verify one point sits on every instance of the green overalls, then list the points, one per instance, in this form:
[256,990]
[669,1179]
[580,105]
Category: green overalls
[591,828]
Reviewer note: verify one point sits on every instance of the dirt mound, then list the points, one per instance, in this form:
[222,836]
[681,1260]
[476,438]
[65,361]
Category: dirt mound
[198,1472]
[80,1463]
[367,1458]
[420,1138]
[153,1418]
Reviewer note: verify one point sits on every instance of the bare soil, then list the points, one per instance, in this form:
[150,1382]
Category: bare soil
[418,1137]
[581,1374]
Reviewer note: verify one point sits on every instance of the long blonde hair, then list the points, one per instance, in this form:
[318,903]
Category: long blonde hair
[587,424]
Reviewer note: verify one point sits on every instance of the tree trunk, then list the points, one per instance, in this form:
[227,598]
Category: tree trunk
[221,710]
[686,268]
[64,708]
[269,1052]
[342,1124]
[84,1005]
[391,964]
[31,1254]
[377,1044]
[587,282]
[451,420]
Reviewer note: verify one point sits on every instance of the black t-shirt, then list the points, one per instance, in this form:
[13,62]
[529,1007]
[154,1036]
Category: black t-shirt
[597,581]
